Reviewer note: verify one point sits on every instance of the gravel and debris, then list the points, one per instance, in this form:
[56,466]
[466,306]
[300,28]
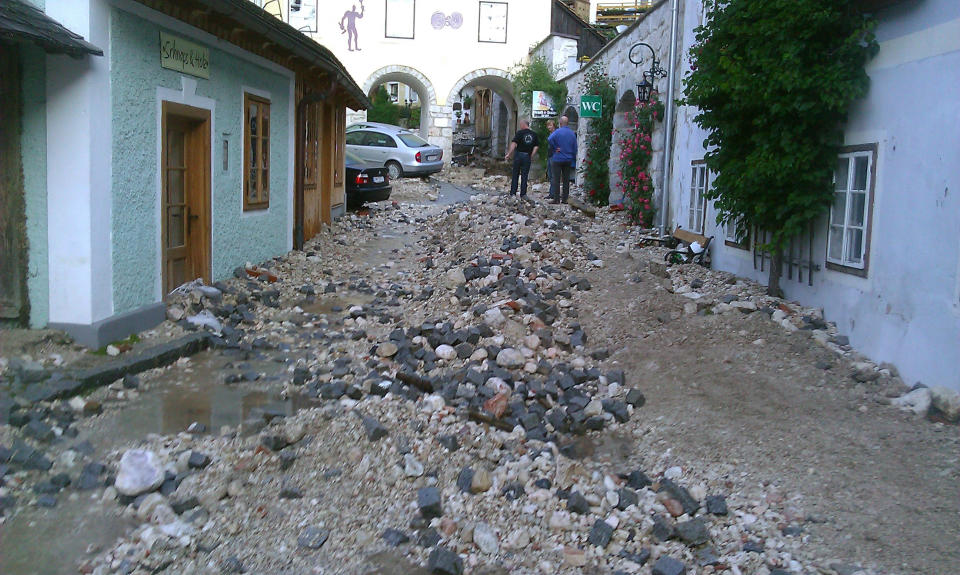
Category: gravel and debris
[501,386]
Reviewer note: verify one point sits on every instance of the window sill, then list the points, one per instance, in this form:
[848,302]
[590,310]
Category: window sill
[846,269]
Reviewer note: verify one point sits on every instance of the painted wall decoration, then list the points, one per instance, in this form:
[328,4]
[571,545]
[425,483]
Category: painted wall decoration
[348,25]
[493,22]
[302,15]
[439,20]
[399,18]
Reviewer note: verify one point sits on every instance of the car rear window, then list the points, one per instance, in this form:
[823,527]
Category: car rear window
[413,140]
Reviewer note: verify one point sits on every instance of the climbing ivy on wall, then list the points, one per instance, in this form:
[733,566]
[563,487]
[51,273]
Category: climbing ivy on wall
[596,168]
[636,151]
[772,82]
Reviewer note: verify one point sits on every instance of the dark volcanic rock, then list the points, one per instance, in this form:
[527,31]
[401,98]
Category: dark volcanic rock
[428,500]
[313,537]
[628,497]
[716,504]
[636,479]
[272,442]
[449,442]
[394,537]
[375,430]
[636,398]
[693,532]
[444,562]
[668,566]
[577,503]
[600,534]
[465,479]
[198,460]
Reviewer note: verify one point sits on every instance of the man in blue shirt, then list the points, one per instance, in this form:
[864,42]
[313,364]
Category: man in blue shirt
[563,142]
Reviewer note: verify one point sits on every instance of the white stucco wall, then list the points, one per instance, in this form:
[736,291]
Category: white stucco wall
[560,54]
[436,62]
[79,170]
[906,310]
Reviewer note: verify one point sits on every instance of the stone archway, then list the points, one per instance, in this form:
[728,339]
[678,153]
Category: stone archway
[573,117]
[419,83]
[500,82]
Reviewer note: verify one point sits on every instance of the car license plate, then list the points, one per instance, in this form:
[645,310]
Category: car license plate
[378,179]
[431,158]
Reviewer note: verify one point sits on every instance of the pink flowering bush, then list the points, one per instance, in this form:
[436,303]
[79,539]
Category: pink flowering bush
[636,151]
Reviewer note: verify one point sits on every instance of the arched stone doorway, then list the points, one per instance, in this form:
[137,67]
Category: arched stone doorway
[417,82]
[495,106]
[573,117]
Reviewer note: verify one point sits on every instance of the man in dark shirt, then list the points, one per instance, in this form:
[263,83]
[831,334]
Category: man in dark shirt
[525,143]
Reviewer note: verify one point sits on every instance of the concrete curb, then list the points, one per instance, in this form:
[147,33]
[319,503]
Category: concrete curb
[66,384]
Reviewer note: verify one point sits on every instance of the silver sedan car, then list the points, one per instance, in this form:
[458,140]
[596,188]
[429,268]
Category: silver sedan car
[401,151]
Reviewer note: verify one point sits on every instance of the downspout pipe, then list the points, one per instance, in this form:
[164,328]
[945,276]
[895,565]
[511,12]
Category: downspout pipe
[669,120]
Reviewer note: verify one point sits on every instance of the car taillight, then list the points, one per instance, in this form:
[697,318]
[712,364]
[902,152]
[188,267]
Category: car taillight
[418,157]
[362,179]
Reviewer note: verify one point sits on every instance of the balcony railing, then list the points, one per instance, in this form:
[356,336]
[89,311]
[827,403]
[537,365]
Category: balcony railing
[613,13]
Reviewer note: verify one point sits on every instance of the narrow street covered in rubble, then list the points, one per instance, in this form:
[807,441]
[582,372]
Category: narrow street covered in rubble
[457,374]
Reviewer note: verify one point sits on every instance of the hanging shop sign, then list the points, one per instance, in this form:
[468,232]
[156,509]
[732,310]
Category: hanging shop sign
[542,106]
[184,56]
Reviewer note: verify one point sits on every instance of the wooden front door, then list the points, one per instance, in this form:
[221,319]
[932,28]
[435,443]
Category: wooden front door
[185,212]
[13,257]
[482,100]
[312,201]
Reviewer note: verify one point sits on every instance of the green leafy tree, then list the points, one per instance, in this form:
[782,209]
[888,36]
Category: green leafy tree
[596,164]
[773,82]
[383,109]
[537,75]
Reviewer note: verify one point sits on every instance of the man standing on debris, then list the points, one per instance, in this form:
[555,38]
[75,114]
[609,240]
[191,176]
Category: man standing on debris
[551,127]
[563,143]
[525,143]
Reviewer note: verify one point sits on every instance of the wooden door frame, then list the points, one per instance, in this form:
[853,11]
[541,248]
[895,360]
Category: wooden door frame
[12,191]
[198,137]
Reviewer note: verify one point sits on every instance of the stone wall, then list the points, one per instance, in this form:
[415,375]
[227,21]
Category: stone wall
[653,29]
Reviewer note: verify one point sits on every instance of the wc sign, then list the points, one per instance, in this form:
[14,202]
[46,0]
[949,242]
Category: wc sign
[590,106]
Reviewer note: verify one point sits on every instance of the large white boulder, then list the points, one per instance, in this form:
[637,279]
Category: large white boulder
[140,472]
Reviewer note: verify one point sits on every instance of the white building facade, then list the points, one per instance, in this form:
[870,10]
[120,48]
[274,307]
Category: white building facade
[440,49]
[884,262]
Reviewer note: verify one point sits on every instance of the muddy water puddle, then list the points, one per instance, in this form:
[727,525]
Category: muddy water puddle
[390,249]
[213,389]
[54,541]
[335,306]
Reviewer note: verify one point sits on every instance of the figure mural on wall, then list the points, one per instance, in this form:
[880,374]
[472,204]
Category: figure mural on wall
[350,17]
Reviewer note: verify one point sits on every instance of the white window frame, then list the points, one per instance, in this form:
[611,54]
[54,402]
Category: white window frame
[845,263]
[393,89]
[699,184]
[730,236]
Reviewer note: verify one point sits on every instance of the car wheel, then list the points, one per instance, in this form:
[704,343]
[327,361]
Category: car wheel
[395,171]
